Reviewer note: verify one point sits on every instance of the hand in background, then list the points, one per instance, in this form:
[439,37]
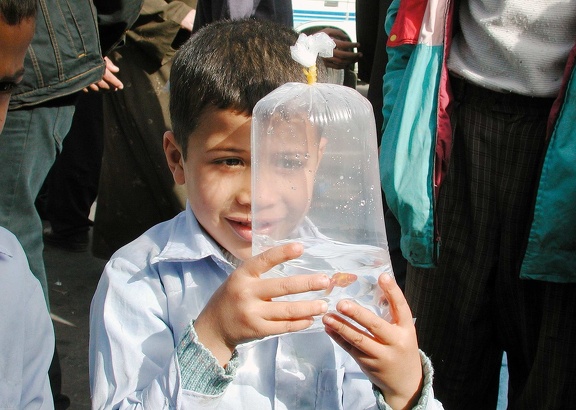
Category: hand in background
[242,310]
[344,54]
[386,352]
[109,81]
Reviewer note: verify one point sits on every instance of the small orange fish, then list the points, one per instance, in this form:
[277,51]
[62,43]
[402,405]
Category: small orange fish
[341,279]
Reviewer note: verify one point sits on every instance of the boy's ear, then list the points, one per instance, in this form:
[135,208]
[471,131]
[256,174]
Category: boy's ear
[174,157]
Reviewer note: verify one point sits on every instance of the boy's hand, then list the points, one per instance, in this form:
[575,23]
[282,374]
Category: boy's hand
[241,309]
[388,352]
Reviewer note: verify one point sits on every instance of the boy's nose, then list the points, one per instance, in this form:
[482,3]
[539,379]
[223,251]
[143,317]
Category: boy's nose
[244,194]
[266,189]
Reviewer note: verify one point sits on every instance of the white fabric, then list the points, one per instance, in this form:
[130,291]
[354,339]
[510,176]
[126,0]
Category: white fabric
[308,48]
[26,332]
[517,46]
[150,291]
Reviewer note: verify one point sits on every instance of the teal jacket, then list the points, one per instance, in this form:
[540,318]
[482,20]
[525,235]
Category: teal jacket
[416,143]
[65,54]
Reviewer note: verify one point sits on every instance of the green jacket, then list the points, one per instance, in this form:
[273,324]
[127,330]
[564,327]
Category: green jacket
[416,143]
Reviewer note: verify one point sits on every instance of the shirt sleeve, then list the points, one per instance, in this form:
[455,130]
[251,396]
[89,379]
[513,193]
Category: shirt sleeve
[133,355]
[200,370]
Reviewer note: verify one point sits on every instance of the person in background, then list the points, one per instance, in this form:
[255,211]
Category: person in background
[174,307]
[478,164]
[370,32]
[280,11]
[136,190]
[209,11]
[57,66]
[26,332]
[63,58]
[71,186]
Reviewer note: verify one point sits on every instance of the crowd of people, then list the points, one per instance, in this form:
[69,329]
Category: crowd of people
[146,105]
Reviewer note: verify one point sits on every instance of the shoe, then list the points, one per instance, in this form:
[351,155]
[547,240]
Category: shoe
[77,242]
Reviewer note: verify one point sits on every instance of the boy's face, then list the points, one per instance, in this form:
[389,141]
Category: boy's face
[288,156]
[217,175]
[14,41]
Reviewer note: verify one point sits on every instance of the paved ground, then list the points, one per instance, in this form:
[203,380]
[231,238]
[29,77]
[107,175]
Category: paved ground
[72,279]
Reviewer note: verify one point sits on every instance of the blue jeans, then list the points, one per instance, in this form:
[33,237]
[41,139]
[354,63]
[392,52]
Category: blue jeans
[28,147]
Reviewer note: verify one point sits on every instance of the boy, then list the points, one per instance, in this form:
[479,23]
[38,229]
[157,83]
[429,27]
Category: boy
[174,310]
[26,333]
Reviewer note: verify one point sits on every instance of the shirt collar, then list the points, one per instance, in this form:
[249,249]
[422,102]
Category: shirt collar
[188,241]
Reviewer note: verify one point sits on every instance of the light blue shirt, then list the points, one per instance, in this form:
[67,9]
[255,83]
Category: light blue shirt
[26,332]
[144,354]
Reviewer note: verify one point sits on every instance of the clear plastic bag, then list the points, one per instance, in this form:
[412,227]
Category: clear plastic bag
[315,180]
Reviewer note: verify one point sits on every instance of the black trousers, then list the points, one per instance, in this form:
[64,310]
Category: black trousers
[474,306]
[72,184]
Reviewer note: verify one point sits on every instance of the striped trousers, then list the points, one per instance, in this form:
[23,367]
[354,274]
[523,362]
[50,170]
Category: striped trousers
[473,306]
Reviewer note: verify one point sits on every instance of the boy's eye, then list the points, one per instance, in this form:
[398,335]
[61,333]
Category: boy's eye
[290,161]
[7,86]
[231,162]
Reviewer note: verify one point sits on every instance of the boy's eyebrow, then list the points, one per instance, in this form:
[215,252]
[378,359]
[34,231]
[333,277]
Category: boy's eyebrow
[228,149]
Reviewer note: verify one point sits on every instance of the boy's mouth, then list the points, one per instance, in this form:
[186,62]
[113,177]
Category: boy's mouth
[242,228]
[266,227]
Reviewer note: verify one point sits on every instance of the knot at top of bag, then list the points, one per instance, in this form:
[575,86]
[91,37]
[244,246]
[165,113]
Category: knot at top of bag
[308,48]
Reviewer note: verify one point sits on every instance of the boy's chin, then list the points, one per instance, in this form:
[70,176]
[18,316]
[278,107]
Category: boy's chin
[242,253]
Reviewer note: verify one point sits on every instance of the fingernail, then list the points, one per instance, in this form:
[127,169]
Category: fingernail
[344,305]
[324,306]
[328,320]
[325,281]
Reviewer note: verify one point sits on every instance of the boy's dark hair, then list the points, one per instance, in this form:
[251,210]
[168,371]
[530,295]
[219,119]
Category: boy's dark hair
[14,12]
[229,65]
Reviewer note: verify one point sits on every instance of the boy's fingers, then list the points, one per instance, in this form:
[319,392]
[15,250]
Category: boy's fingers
[280,327]
[290,311]
[277,287]
[265,261]
[399,309]
[365,318]
[349,336]
[292,285]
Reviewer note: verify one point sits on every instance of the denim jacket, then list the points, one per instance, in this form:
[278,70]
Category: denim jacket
[65,54]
